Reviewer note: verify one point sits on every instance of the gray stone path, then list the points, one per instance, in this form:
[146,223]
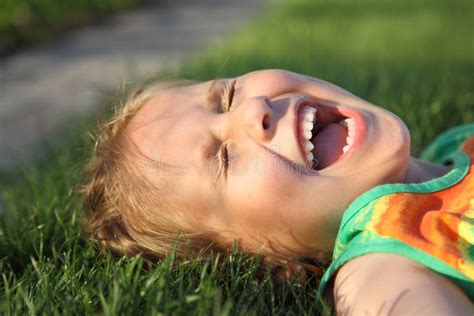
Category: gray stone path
[43,88]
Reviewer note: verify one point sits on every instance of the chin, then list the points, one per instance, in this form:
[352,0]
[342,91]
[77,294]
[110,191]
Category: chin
[386,159]
[398,153]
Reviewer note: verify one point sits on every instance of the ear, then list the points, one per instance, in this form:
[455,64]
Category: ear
[291,272]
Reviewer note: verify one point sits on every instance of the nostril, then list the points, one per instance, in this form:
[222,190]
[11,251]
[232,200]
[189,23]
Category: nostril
[266,122]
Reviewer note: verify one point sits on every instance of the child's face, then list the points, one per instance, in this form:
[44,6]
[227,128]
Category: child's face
[268,191]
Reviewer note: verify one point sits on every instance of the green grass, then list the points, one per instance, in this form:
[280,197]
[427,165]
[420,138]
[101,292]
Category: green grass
[27,22]
[412,57]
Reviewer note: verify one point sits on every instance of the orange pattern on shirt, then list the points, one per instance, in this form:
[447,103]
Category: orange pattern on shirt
[439,223]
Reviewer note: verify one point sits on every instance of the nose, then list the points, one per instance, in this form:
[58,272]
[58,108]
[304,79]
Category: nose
[256,116]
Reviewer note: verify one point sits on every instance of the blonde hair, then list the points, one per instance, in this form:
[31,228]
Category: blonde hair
[120,202]
[115,196]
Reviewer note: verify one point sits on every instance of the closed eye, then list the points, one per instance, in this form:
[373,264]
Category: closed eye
[227,96]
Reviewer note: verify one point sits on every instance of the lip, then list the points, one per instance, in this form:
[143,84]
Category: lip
[331,107]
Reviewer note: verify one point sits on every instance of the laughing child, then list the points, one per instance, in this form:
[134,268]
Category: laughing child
[294,169]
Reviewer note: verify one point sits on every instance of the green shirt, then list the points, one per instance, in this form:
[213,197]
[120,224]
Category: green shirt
[430,222]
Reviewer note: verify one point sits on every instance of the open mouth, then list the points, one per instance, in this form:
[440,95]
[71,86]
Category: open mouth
[325,135]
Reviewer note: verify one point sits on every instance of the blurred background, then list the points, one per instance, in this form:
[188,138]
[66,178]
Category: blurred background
[25,23]
[60,59]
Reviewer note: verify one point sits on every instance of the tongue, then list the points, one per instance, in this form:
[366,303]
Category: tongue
[328,144]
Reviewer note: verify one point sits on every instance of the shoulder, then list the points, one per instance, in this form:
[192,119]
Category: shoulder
[391,284]
[447,142]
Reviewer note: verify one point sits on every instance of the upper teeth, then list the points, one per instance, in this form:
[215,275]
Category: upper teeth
[349,124]
[307,119]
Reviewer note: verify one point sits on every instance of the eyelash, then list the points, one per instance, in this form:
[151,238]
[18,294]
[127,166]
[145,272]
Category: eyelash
[226,101]
[224,157]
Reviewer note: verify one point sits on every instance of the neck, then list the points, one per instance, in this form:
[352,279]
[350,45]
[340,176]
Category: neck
[421,171]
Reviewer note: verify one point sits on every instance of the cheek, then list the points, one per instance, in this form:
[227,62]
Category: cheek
[263,198]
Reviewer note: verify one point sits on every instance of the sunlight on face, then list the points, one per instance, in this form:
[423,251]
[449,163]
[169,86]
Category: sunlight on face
[245,165]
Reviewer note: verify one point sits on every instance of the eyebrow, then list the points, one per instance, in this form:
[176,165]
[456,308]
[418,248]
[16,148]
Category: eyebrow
[208,158]
[214,91]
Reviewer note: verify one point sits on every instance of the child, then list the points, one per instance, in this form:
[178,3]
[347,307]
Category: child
[274,159]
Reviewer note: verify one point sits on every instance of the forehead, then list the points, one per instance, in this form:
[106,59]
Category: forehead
[168,101]
[160,124]
[171,132]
